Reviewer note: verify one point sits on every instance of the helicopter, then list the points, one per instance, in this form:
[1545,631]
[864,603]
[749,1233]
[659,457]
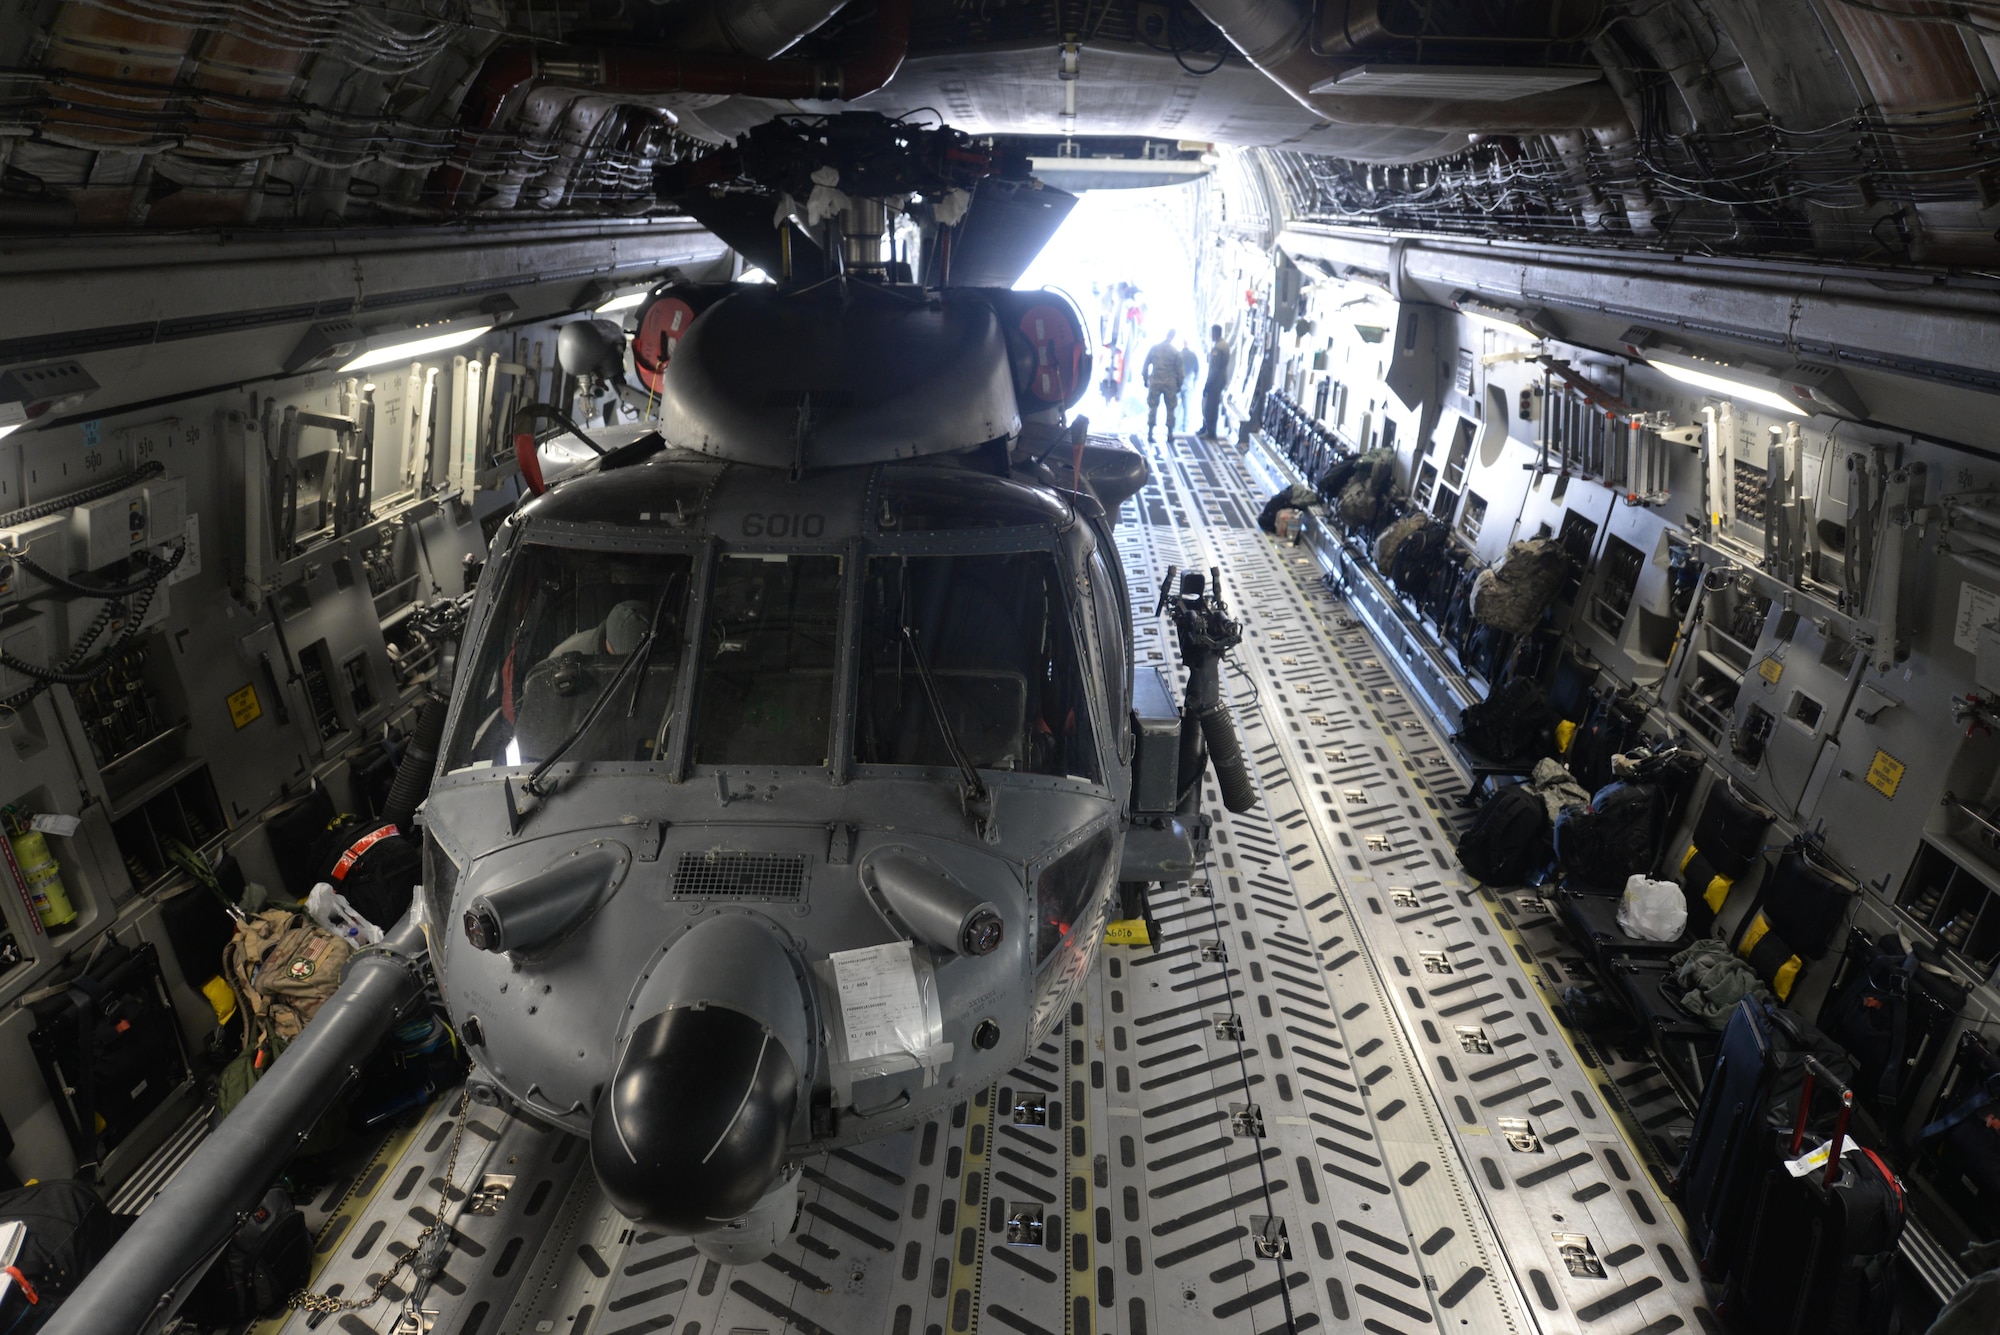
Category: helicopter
[790,773]
[796,758]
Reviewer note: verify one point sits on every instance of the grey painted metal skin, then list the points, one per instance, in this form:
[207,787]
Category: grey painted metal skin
[140,1284]
[549,1025]
[553,1027]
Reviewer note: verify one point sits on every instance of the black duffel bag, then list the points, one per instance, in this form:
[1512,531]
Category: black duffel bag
[69,1229]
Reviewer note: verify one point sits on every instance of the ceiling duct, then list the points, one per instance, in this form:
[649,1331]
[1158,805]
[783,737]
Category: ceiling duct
[1277,36]
[1419,29]
[1466,83]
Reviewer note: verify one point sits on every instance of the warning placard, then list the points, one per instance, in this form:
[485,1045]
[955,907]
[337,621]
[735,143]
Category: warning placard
[1885,773]
[244,708]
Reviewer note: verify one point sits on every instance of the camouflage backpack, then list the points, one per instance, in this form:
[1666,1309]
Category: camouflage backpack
[283,966]
[1512,596]
[1361,500]
[1393,538]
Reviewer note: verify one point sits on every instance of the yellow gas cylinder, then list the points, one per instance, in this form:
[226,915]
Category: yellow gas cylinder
[43,875]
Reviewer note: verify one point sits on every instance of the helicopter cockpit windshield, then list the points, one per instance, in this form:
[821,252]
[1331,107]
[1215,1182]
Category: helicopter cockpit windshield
[563,629]
[995,631]
[584,657]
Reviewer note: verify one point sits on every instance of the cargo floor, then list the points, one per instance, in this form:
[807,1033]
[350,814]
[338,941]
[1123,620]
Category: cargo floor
[1335,1094]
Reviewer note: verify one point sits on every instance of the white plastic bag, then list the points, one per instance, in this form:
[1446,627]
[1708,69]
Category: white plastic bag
[331,910]
[1652,910]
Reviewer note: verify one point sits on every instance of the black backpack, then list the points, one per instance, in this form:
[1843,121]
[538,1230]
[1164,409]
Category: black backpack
[1610,727]
[1892,1015]
[1513,725]
[268,1260]
[374,874]
[1508,840]
[1615,838]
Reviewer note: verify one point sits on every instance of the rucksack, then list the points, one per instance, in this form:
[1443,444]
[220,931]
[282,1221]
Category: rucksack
[1964,1145]
[1418,558]
[1334,480]
[268,1259]
[1513,725]
[1512,596]
[1892,1013]
[1294,497]
[1615,838]
[373,865]
[1393,538]
[283,966]
[1508,839]
[1609,727]
[1361,506]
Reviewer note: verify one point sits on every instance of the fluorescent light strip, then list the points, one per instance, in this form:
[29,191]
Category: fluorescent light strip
[411,349]
[624,303]
[11,428]
[1735,389]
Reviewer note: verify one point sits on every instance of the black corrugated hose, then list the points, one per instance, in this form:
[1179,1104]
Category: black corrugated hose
[413,775]
[27,514]
[68,672]
[1225,752]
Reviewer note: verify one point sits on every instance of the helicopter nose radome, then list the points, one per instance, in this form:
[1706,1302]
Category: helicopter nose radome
[694,1126]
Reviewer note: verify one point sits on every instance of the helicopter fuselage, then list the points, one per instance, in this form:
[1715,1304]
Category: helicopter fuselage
[777,777]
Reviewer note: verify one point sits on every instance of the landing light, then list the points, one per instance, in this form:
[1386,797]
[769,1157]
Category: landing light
[412,344]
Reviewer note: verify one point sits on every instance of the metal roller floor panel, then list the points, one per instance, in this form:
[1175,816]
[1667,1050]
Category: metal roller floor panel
[1334,1094]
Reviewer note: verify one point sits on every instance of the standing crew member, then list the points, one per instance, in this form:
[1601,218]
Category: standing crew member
[1189,365]
[1164,373]
[1218,376]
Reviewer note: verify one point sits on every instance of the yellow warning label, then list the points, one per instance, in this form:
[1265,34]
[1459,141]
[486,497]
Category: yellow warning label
[243,707]
[1770,670]
[1127,932]
[1885,772]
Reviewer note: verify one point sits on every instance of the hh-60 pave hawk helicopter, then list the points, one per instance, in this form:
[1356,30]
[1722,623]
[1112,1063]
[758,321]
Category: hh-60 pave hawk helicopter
[795,748]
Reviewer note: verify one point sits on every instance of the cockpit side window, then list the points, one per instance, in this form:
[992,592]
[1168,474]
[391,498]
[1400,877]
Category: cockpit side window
[765,694]
[995,631]
[1112,629]
[565,626]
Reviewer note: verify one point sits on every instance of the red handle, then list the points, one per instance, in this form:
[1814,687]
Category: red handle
[1805,1107]
[1839,1138]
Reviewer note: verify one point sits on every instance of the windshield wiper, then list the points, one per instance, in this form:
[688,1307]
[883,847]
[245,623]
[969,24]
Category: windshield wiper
[641,651]
[975,797]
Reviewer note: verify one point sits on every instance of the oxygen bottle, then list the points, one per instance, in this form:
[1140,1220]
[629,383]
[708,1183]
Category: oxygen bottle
[42,875]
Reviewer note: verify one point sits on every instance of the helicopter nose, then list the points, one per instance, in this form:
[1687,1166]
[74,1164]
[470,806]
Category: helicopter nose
[695,1124]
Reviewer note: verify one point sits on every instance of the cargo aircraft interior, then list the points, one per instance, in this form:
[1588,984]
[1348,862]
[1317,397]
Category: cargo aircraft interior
[618,713]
